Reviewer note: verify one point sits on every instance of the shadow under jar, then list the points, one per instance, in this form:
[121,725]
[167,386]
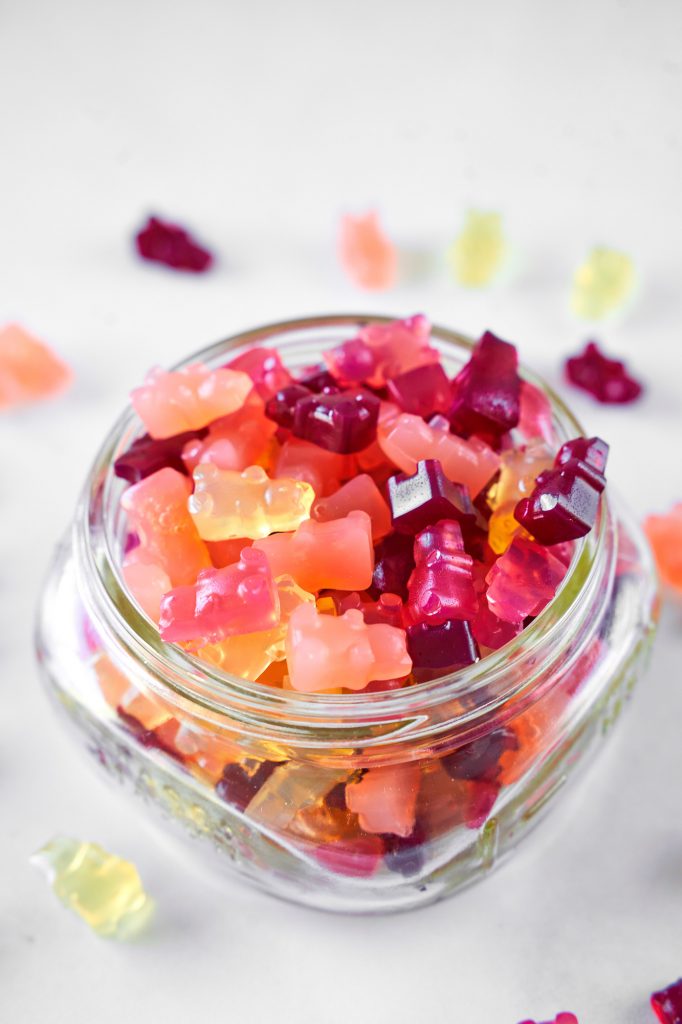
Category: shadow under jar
[254,776]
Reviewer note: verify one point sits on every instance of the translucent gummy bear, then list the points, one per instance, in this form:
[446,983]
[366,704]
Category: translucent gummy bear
[334,555]
[235,441]
[227,503]
[381,351]
[188,399]
[602,283]
[242,598]
[385,798]
[487,389]
[29,370]
[664,533]
[322,469]
[407,440]
[264,367]
[519,468]
[438,650]
[442,584]
[605,379]
[290,789]
[146,455]
[479,250]
[344,422]
[366,254]
[535,415]
[146,581]
[523,580]
[157,512]
[326,652]
[359,493]
[667,1004]
[423,391]
[104,890]
[420,500]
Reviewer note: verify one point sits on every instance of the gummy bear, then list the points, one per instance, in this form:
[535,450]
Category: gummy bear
[157,511]
[423,391]
[227,503]
[667,1004]
[438,650]
[291,788]
[491,632]
[561,1018]
[162,242]
[147,455]
[104,890]
[564,503]
[146,581]
[343,422]
[519,468]
[359,857]
[479,250]
[316,379]
[333,555]
[388,608]
[322,469]
[602,283]
[365,253]
[487,389]
[359,493]
[188,399]
[381,351]
[242,598]
[441,587]
[422,499]
[281,406]
[523,580]
[665,536]
[325,652]
[264,367]
[606,379]
[29,370]
[235,441]
[385,798]
[535,416]
[394,562]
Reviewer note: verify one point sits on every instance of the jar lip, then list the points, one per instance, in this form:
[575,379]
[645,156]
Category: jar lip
[174,669]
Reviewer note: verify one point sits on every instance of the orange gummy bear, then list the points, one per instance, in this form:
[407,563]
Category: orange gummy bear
[359,493]
[385,798]
[665,536]
[29,371]
[366,254]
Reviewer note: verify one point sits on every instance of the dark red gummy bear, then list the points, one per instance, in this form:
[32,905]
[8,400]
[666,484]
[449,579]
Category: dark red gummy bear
[405,854]
[281,406]
[423,391]
[147,455]
[606,379]
[170,244]
[667,1004]
[393,565]
[439,650]
[487,391]
[317,378]
[342,422]
[563,504]
[480,759]
[422,499]
[160,738]
[238,788]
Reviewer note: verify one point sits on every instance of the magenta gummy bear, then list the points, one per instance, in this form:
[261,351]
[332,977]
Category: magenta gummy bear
[241,598]
[265,368]
[382,351]
[438,650]
[280,408]
[423,391]
[487,391]
[422,499]
[605,379]
[146,455]
[343,422]
[667,1004]
[442,584]
[564,503]
[166,243]
[522,581]
[394,562]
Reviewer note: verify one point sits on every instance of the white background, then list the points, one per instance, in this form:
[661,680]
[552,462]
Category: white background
[256,124]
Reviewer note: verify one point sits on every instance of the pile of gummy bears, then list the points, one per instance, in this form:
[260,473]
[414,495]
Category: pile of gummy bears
[362,526]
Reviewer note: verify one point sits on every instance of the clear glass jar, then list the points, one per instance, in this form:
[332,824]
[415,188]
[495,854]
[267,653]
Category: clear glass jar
[254,776]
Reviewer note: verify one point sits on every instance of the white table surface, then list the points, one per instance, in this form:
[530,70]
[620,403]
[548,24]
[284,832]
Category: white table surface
[256,124]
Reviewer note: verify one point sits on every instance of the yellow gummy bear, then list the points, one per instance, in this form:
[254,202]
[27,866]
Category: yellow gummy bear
[227,503]
[103,889]
[602,283]
[518,471]
[478,251]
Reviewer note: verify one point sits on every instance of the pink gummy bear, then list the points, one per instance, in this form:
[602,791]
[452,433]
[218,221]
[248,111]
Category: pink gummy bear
[29,371]
[535,416]
[265,368]
[385,799]
[523,581]
[325,652]
[188,399]
[146,581]
[366,254]
[381,351]
[240,599]
[234,441]
[157,511]
[441,586]
[337,555]
[359,493]
[407,439]
[323,470]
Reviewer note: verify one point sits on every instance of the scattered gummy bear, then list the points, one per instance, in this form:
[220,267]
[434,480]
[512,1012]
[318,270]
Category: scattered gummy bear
[29,370]
[664,533]
[667,1004]
[104,890]
[369,258]
[479,250]
[606,379]
[161,242]
[561,1018]
[602,284]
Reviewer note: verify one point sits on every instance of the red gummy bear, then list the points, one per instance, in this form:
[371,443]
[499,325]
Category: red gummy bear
[667,1004]
[162,242]
[487,390]
[442,584]
[523,580]
[606,379]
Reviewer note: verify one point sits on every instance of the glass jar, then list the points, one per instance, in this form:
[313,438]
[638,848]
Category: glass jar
[254,776]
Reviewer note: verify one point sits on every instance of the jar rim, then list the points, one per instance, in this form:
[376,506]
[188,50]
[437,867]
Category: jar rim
[170,670]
